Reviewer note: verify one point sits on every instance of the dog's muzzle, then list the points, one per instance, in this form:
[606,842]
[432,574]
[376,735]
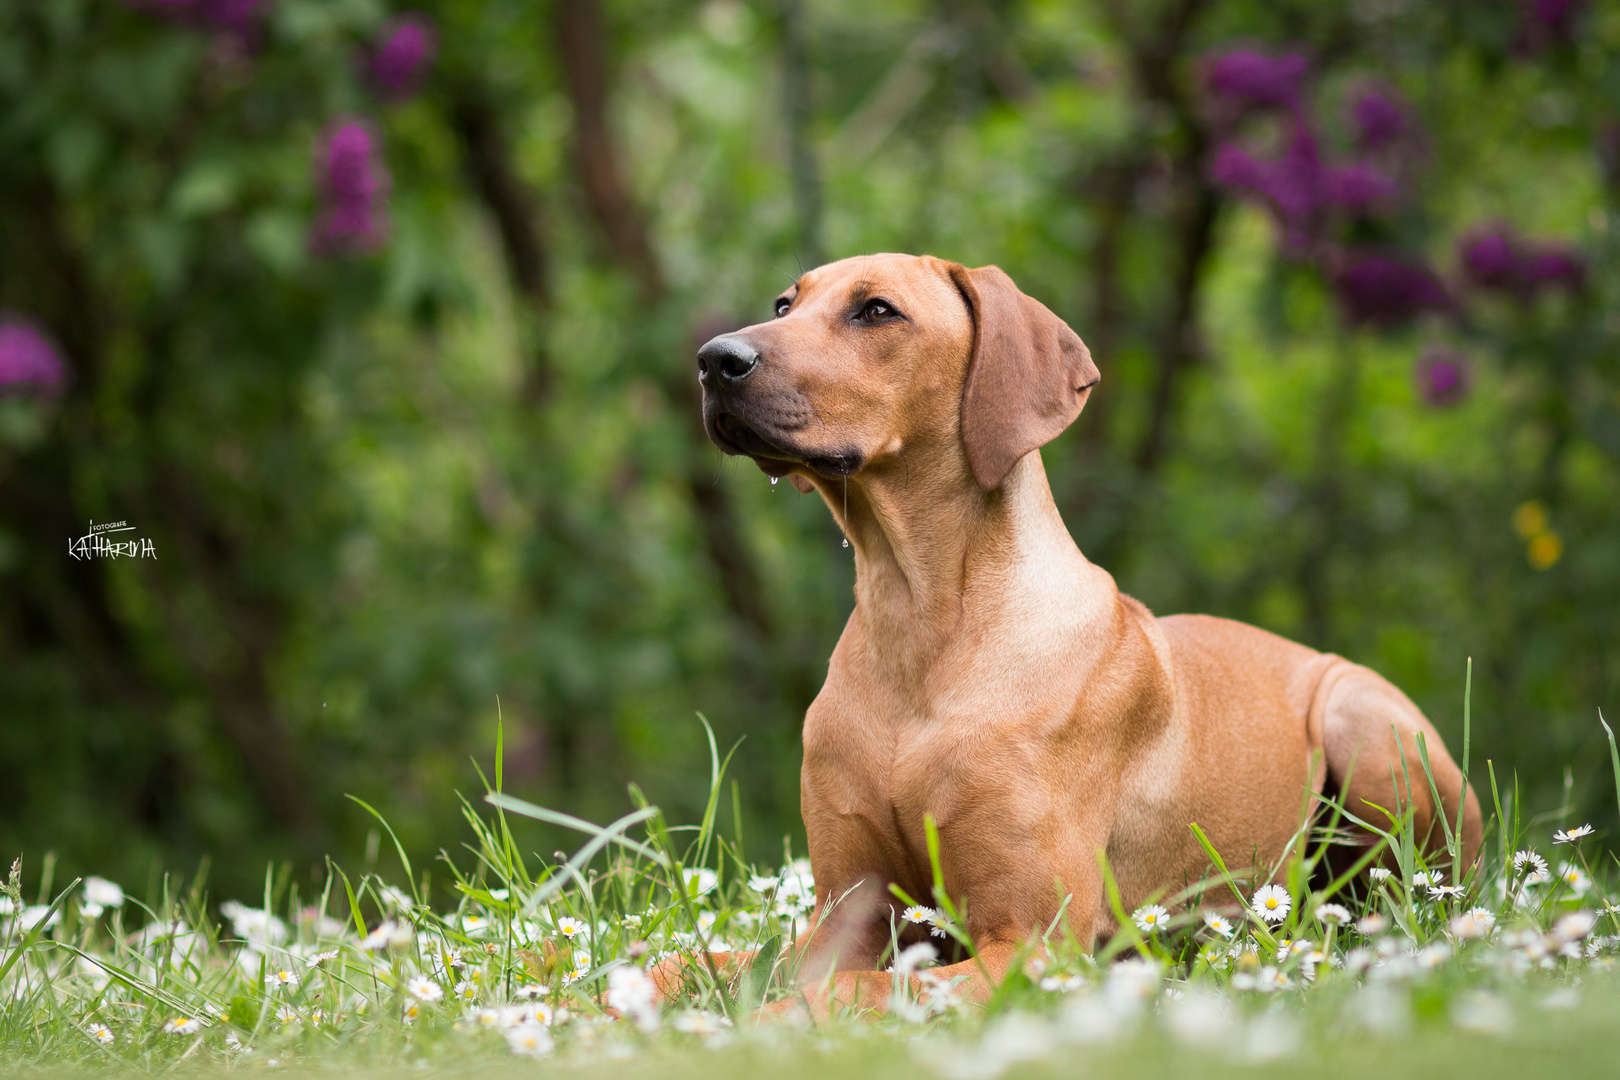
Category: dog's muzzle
[726,359]
[736,416]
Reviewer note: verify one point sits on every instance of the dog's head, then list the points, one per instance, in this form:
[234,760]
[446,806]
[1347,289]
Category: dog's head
[872,355]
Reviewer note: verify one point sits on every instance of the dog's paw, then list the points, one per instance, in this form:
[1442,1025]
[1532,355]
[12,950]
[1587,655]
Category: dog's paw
[673,975]
[793,1011]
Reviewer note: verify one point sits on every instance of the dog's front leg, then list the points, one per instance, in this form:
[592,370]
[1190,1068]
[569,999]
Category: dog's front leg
[873,991]
[670,973]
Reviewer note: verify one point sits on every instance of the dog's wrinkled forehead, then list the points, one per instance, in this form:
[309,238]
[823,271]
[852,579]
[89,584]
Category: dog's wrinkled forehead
[915,285]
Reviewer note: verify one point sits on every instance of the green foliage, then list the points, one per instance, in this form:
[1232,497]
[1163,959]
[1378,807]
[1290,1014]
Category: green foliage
[390,489]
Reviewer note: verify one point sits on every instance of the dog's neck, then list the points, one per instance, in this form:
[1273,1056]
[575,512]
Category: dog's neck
[936,558]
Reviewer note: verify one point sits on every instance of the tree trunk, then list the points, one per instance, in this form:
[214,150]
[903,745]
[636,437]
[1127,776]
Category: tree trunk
[581,42]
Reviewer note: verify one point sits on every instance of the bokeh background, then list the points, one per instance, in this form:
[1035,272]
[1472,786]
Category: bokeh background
[378,322]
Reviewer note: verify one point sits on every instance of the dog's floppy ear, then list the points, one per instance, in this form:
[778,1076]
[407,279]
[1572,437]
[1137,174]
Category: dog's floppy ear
[1027,379]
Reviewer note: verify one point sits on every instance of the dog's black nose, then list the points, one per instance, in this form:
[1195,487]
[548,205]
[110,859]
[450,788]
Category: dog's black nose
[732,357]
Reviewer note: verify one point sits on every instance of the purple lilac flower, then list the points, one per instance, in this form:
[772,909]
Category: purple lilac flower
[1556,15]
[1375,288]
[1443,375]
[1546,23]
[1258,79]
[352,185]
[402,54]
[1499,259]
[1381,120]
[1491,260]
[237,15]
[27,356]
[1357,185]
[1553,267]
[1298,184]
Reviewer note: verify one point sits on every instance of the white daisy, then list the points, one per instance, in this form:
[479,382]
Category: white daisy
[423,988]
[474,925]
[1427,878]
[1333,914]
[1445,892]
[413,1009]
[34,914]
[917,914]
[388,935]
[698,880]
[394,898]
[697,1022]
[465,990]
[1265,980]
[281,978]
[939,922]
[571,928]
[529,1040]
[1149,918]
[1574,926]
[1378,874]
[183,1025]
[1532,866]
[582,968]
[100,1032]
[1271,903]
[286,1014]
[1476,922]
[1573,835]
[1574,877]
[631,990]
[1218,923]
[100,894]
[321,958]
[1372,924]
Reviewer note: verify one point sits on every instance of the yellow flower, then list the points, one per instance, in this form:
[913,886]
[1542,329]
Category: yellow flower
[1544,550]
[1529,519]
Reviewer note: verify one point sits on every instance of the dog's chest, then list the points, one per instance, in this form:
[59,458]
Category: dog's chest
[869,788]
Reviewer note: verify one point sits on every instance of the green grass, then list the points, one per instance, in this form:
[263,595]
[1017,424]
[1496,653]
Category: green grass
[525,962]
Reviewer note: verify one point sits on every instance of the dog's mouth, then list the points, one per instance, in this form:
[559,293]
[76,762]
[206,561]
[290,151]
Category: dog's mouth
[735,435]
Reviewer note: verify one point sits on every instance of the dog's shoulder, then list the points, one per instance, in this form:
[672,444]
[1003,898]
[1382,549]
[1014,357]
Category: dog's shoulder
[1217,652]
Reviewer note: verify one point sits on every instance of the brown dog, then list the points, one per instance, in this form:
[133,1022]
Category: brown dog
[990,676]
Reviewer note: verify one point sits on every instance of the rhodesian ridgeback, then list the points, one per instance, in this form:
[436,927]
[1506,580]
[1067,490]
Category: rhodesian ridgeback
[990,676]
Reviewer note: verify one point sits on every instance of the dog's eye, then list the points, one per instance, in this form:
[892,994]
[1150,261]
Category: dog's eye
[782,305]
[876,311]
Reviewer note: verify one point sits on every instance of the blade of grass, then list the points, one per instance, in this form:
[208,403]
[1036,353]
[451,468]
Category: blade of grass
[37,929]
[1462,797]
[404,859]
[1231,883]
[553,817]
[1614,757]
[1128,934]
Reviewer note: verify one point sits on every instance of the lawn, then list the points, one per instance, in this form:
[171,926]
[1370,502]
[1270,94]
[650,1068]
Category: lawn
[505,961]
